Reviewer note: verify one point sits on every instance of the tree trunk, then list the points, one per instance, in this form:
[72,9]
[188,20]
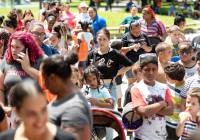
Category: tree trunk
[91,3]
[144,2]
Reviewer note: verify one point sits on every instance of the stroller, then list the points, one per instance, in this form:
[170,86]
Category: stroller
[106,118]
[154,42]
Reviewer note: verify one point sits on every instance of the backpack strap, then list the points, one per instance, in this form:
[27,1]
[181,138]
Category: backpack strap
[94,56]
[83,39]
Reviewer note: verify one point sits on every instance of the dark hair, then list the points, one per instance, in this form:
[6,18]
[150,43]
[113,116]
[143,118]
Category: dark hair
[185,43]
[67,4]
[4,34]
[84,24]
[51,4]
[69,36]
[92,32]
[51,15]
[175,71]
[59,65]
[178,19]
[75,70]
[93,8]
[25,13]
[104,31]
[117,45]
[148,59]
[18,11]
[133,5]
[194,92]
[56,30]
[22,90]
[1,18]
[197,57]
[12,20]
[133,23]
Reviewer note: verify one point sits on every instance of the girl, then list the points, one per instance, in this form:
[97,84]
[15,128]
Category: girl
[4,37]
[55,38]
[98,95]
[181,22]
[19,19]
[27,13]
[51,20]
[10,24]
[29,103]
[75,75]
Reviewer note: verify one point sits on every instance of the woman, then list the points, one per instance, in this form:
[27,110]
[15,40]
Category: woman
[28,13]
[70,109]
[4,37]
[19,19]
[10,24]
[151,25]
[98,22]
[69,16]
[29,103]
[23,59]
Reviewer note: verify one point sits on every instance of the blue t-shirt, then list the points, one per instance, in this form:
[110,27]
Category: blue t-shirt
[98,23]
[49,49]
[99,93]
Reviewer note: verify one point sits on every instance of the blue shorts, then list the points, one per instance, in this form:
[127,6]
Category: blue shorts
[81,64]
[113,91]
[129,74]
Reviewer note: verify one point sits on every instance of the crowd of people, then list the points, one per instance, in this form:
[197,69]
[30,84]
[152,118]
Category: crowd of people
[54,69]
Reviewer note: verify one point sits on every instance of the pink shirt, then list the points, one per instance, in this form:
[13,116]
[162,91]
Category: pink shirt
[69,17]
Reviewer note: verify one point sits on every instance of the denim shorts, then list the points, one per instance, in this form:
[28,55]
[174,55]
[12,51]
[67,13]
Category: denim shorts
[129,74]
[81,64]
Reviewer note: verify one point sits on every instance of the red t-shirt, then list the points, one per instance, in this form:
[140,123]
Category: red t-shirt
[47,31]
[20,24]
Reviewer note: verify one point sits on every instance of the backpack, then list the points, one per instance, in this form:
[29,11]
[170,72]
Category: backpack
[83,49]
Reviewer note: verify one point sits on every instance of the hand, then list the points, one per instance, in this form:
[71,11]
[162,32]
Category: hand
[25,62]
[144,47]
[163,103]
[135,46]
[127,25]
[185,115]
[92,100]
[75,47]
[8,110]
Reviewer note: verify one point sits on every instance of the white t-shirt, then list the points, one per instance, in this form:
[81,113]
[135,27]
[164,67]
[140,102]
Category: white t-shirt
[82,17]
[190,71]
[61,44]
[88,38]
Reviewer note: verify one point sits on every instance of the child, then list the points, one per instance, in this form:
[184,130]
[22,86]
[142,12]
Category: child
[55,38]
[138,76]
[164,53]
[185,51]
[173,40]
[175,73]
[1,20]
[97,95]
[187,120]
[190,83]
[75,76]
[151,100]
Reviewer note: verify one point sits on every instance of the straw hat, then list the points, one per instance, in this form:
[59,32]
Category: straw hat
[83,4]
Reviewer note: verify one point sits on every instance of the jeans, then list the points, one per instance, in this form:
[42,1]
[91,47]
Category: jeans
[113,91]
[157,10]
[174,12]
[109,133]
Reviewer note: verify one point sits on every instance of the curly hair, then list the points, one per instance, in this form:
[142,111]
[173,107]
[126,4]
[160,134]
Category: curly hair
[28,41]
[4,34]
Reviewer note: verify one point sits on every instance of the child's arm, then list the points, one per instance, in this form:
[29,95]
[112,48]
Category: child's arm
[150,109]
[183,116]
[168,110]
[107,104]
[183,104]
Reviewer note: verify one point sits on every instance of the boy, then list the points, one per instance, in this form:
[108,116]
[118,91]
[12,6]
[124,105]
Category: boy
[175,73]
[185,51]
[151,100]
[187,120]
[173,40]
[138,76]
[164,53]
[191,82]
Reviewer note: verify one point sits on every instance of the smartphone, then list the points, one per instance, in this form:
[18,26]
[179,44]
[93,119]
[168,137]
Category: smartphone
[24,51]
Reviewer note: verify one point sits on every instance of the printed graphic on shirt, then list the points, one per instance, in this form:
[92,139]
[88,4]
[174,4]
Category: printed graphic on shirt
[109,63]
[101,61]
[15,72]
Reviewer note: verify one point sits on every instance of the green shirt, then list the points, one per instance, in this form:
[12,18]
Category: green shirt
[174,49]
[127,20]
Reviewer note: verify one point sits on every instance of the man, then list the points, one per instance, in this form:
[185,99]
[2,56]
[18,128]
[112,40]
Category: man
[36,28]
[134,43]
[196,9]
[127,20]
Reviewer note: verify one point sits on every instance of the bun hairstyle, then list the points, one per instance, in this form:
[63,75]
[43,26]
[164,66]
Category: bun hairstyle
[84,24]
[59,65]
[56,30]
[18,11]
[178,19]
[11,21]
[1,18]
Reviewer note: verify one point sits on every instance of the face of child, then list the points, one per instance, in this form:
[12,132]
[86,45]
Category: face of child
[182,25]
[198,66]
[53,40]
[149,73]
[74,77]
[169,79]
[167,54]
[185,52]
[175,36]
[92,81]
[138,76]
[192,103]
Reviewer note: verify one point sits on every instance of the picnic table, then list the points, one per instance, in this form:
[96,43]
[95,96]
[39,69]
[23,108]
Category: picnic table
[181,8]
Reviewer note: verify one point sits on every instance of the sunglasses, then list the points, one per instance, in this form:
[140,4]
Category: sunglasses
[141,56]
[27,13]
[7,24]
[185,51]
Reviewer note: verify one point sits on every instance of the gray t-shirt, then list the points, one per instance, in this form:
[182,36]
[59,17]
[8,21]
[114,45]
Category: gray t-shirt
[190,71]
[70,112]
[14,73]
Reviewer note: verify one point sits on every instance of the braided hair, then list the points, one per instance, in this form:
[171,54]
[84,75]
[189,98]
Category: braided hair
[4,34]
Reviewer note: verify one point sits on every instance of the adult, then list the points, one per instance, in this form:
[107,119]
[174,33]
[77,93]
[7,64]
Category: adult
[28,13]
[196,9]
[29,103]
[134,43]
[70,109]
[23,59]
[4,37]
[107,61]
[98,22]
[128,5]
[151,25]
[19,19]
[51,20]
[79,11]
[109,4]
[172,9]
[44,8]
[127,20]
[10,24]
[69,16]
[36,28]
[83,16]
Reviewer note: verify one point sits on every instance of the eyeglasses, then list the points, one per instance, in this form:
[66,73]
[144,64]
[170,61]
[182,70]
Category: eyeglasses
[7,24]
[36,34]
[185,51]
[27,13]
